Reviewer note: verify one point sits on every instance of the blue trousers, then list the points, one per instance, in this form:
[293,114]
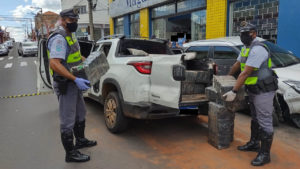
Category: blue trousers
[71,106]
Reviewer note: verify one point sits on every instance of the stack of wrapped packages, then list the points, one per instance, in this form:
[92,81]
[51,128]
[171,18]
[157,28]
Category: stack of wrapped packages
[92,68]
[221,114]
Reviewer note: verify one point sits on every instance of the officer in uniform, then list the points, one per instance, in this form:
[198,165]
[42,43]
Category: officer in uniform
[64,53]
[261,83]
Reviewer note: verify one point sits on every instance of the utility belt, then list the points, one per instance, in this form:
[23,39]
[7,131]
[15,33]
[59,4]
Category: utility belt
[263,86]
[62,83]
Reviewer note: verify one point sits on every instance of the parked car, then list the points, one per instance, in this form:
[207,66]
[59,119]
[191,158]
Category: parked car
[9,44]
[223,53]
[177,50]
[3,49]
[28,48]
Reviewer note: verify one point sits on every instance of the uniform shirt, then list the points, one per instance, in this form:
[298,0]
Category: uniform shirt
[257,56]
[58,47]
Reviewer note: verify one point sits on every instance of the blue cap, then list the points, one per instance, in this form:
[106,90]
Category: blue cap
[70,13]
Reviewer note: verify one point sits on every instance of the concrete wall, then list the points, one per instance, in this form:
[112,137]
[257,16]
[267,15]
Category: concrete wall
[289,25]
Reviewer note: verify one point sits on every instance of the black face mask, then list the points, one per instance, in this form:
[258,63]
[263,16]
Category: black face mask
[246,39]
[72,27]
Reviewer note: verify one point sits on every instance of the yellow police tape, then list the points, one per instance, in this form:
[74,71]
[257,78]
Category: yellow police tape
[25,95]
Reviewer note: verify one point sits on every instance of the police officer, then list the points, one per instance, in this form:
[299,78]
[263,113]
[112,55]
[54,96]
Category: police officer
[64,52]
[260,83]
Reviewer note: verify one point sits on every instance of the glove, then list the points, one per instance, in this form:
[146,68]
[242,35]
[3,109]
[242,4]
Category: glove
[82,84]
[229,96]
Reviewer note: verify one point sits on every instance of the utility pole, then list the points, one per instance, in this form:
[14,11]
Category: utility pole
[90,5]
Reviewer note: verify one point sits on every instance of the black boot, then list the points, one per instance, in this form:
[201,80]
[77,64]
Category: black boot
[253,144]
[72,155]
[263,156]
[81,141]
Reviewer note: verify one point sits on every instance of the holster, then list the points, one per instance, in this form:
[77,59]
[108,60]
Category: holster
[62,83]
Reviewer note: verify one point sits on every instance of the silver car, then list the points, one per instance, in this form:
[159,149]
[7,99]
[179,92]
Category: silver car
[223,52]
[3,49]
[28,49]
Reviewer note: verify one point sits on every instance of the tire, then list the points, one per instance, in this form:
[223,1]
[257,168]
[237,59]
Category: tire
[115,120]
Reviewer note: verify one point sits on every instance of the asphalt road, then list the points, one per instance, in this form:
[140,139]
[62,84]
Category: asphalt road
[30,139]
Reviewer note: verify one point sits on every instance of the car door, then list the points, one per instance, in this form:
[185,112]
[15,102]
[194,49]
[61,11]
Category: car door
[164,90]
[44,78]
[224,57]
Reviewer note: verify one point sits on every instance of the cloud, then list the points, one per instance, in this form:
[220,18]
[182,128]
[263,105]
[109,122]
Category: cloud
[21,11]
[26,0]
[17,33]
[48,5]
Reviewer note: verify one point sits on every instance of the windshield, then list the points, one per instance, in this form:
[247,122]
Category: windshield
[280,57]
[30,44]
[2,47]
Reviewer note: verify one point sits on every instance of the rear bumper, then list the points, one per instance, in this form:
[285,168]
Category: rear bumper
[148,111]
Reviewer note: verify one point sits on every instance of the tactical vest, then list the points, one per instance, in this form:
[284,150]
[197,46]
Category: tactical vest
[74,55]
[263,78]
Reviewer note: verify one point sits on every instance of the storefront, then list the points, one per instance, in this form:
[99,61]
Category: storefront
[164,18]
[276,20]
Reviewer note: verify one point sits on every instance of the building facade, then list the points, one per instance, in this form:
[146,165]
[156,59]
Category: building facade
[100,17]
[45,23]
[204,19]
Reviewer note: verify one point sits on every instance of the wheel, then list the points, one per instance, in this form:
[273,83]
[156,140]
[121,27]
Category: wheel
[115,120]
[296,120]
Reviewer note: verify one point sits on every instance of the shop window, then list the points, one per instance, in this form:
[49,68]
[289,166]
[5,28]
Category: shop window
[224,52]
[159,27]
[135,25]
[163,10]
[119,25]
[187,5]
[198,25]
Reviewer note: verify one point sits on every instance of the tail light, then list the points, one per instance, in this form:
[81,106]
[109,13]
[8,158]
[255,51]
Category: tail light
[142,67]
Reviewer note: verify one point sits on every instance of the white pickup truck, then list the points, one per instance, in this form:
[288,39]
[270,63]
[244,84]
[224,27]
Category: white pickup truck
[140,82]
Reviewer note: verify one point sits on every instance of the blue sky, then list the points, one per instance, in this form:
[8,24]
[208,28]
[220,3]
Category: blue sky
[21,9]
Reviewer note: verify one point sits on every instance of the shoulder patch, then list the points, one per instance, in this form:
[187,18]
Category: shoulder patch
[58,45]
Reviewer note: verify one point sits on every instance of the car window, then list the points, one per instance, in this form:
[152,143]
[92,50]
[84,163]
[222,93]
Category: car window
[281,57]
[201,51]
[224,52]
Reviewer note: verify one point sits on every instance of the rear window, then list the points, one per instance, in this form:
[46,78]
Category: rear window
[224,52]
[150,47]
[201,51]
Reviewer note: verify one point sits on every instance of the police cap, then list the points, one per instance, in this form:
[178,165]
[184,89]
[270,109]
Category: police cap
[70,13]
[247,27]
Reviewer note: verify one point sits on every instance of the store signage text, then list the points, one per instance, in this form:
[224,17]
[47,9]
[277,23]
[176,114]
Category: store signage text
[137,3]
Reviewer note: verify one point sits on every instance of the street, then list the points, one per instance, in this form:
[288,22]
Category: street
[30,137]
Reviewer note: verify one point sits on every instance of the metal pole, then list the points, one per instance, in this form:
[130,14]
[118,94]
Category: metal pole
[91,23]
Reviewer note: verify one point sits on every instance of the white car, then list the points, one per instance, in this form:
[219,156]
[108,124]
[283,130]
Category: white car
[224,51]
[28,49]
[3,49]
